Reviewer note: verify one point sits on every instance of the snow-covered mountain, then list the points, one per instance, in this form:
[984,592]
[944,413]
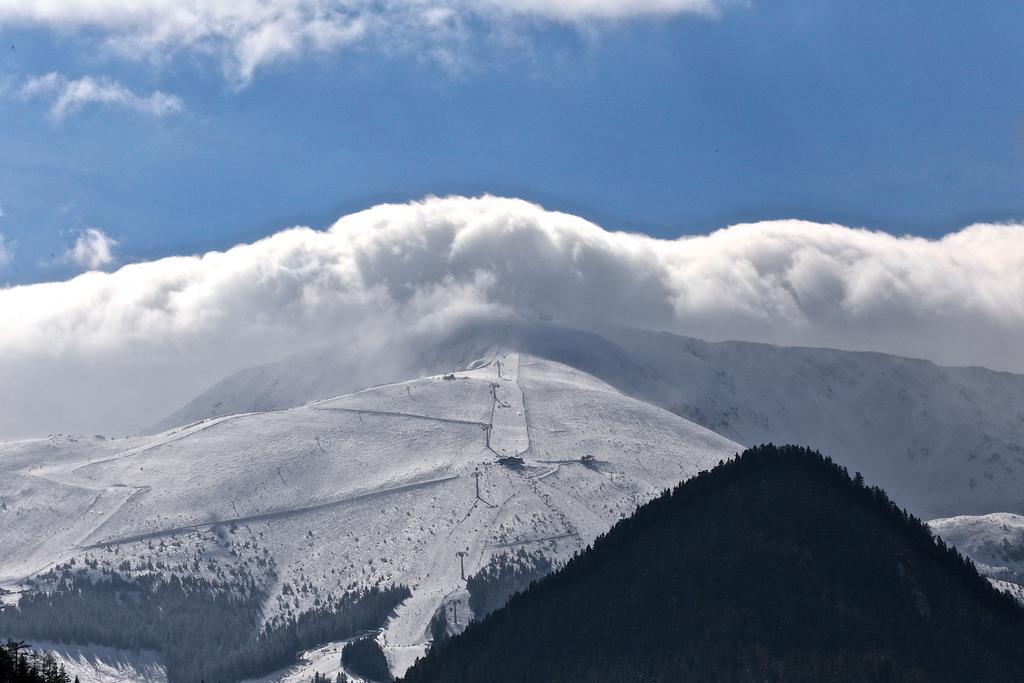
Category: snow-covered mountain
[942,441]
[302,377]
[377,485]
[995,542]
[287,474]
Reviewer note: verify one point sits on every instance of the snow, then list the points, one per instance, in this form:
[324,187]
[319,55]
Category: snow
[941,441]
[995,542]
[325,660]
[509,436]
[1014,589]
[97,664]
[377,485]
[380,484]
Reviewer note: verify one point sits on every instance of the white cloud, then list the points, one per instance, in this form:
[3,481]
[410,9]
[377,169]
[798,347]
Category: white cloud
[581,10]
[5,249]
[93,250]
[69,96]
[120,350]
[246,34]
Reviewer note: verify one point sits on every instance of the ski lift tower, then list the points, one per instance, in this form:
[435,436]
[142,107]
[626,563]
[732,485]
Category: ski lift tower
[462,563]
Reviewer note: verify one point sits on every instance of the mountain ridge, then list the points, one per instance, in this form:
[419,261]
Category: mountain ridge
[736,574]
[945,440]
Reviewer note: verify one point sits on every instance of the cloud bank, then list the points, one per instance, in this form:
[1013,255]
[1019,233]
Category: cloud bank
[115,351]
[69,96]
[246,34]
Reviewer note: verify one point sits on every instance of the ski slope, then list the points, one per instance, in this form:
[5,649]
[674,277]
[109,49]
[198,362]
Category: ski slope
[941,441]
[376,485]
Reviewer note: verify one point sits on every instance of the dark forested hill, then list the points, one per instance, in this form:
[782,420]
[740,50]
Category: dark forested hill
[774,566]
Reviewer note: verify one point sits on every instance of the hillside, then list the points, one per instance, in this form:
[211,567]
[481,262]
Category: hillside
[944,441]
[288,512]
[995,542]
[774,566]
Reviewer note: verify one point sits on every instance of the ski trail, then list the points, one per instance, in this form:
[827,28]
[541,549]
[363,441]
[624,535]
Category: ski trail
[508,435]
[395,413]
[406,635]
[63,542]
[263,516]
[66,473]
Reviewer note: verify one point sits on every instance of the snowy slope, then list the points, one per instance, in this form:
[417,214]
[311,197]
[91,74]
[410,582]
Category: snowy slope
[330,370]
[941,441]
[96,664]
[302,377]
[373,485]
[995,542]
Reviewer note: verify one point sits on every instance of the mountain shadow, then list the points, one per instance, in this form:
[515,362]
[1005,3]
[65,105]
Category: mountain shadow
[774,566]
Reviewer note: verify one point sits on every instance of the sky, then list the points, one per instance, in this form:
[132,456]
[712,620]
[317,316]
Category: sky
[174,135]
[846,174]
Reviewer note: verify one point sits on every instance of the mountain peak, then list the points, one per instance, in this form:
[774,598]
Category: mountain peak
[776,565]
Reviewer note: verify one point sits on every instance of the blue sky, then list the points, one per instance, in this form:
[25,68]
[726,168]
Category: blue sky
[905,117]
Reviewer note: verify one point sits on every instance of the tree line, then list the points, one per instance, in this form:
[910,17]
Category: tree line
[20,664]
[204,630]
